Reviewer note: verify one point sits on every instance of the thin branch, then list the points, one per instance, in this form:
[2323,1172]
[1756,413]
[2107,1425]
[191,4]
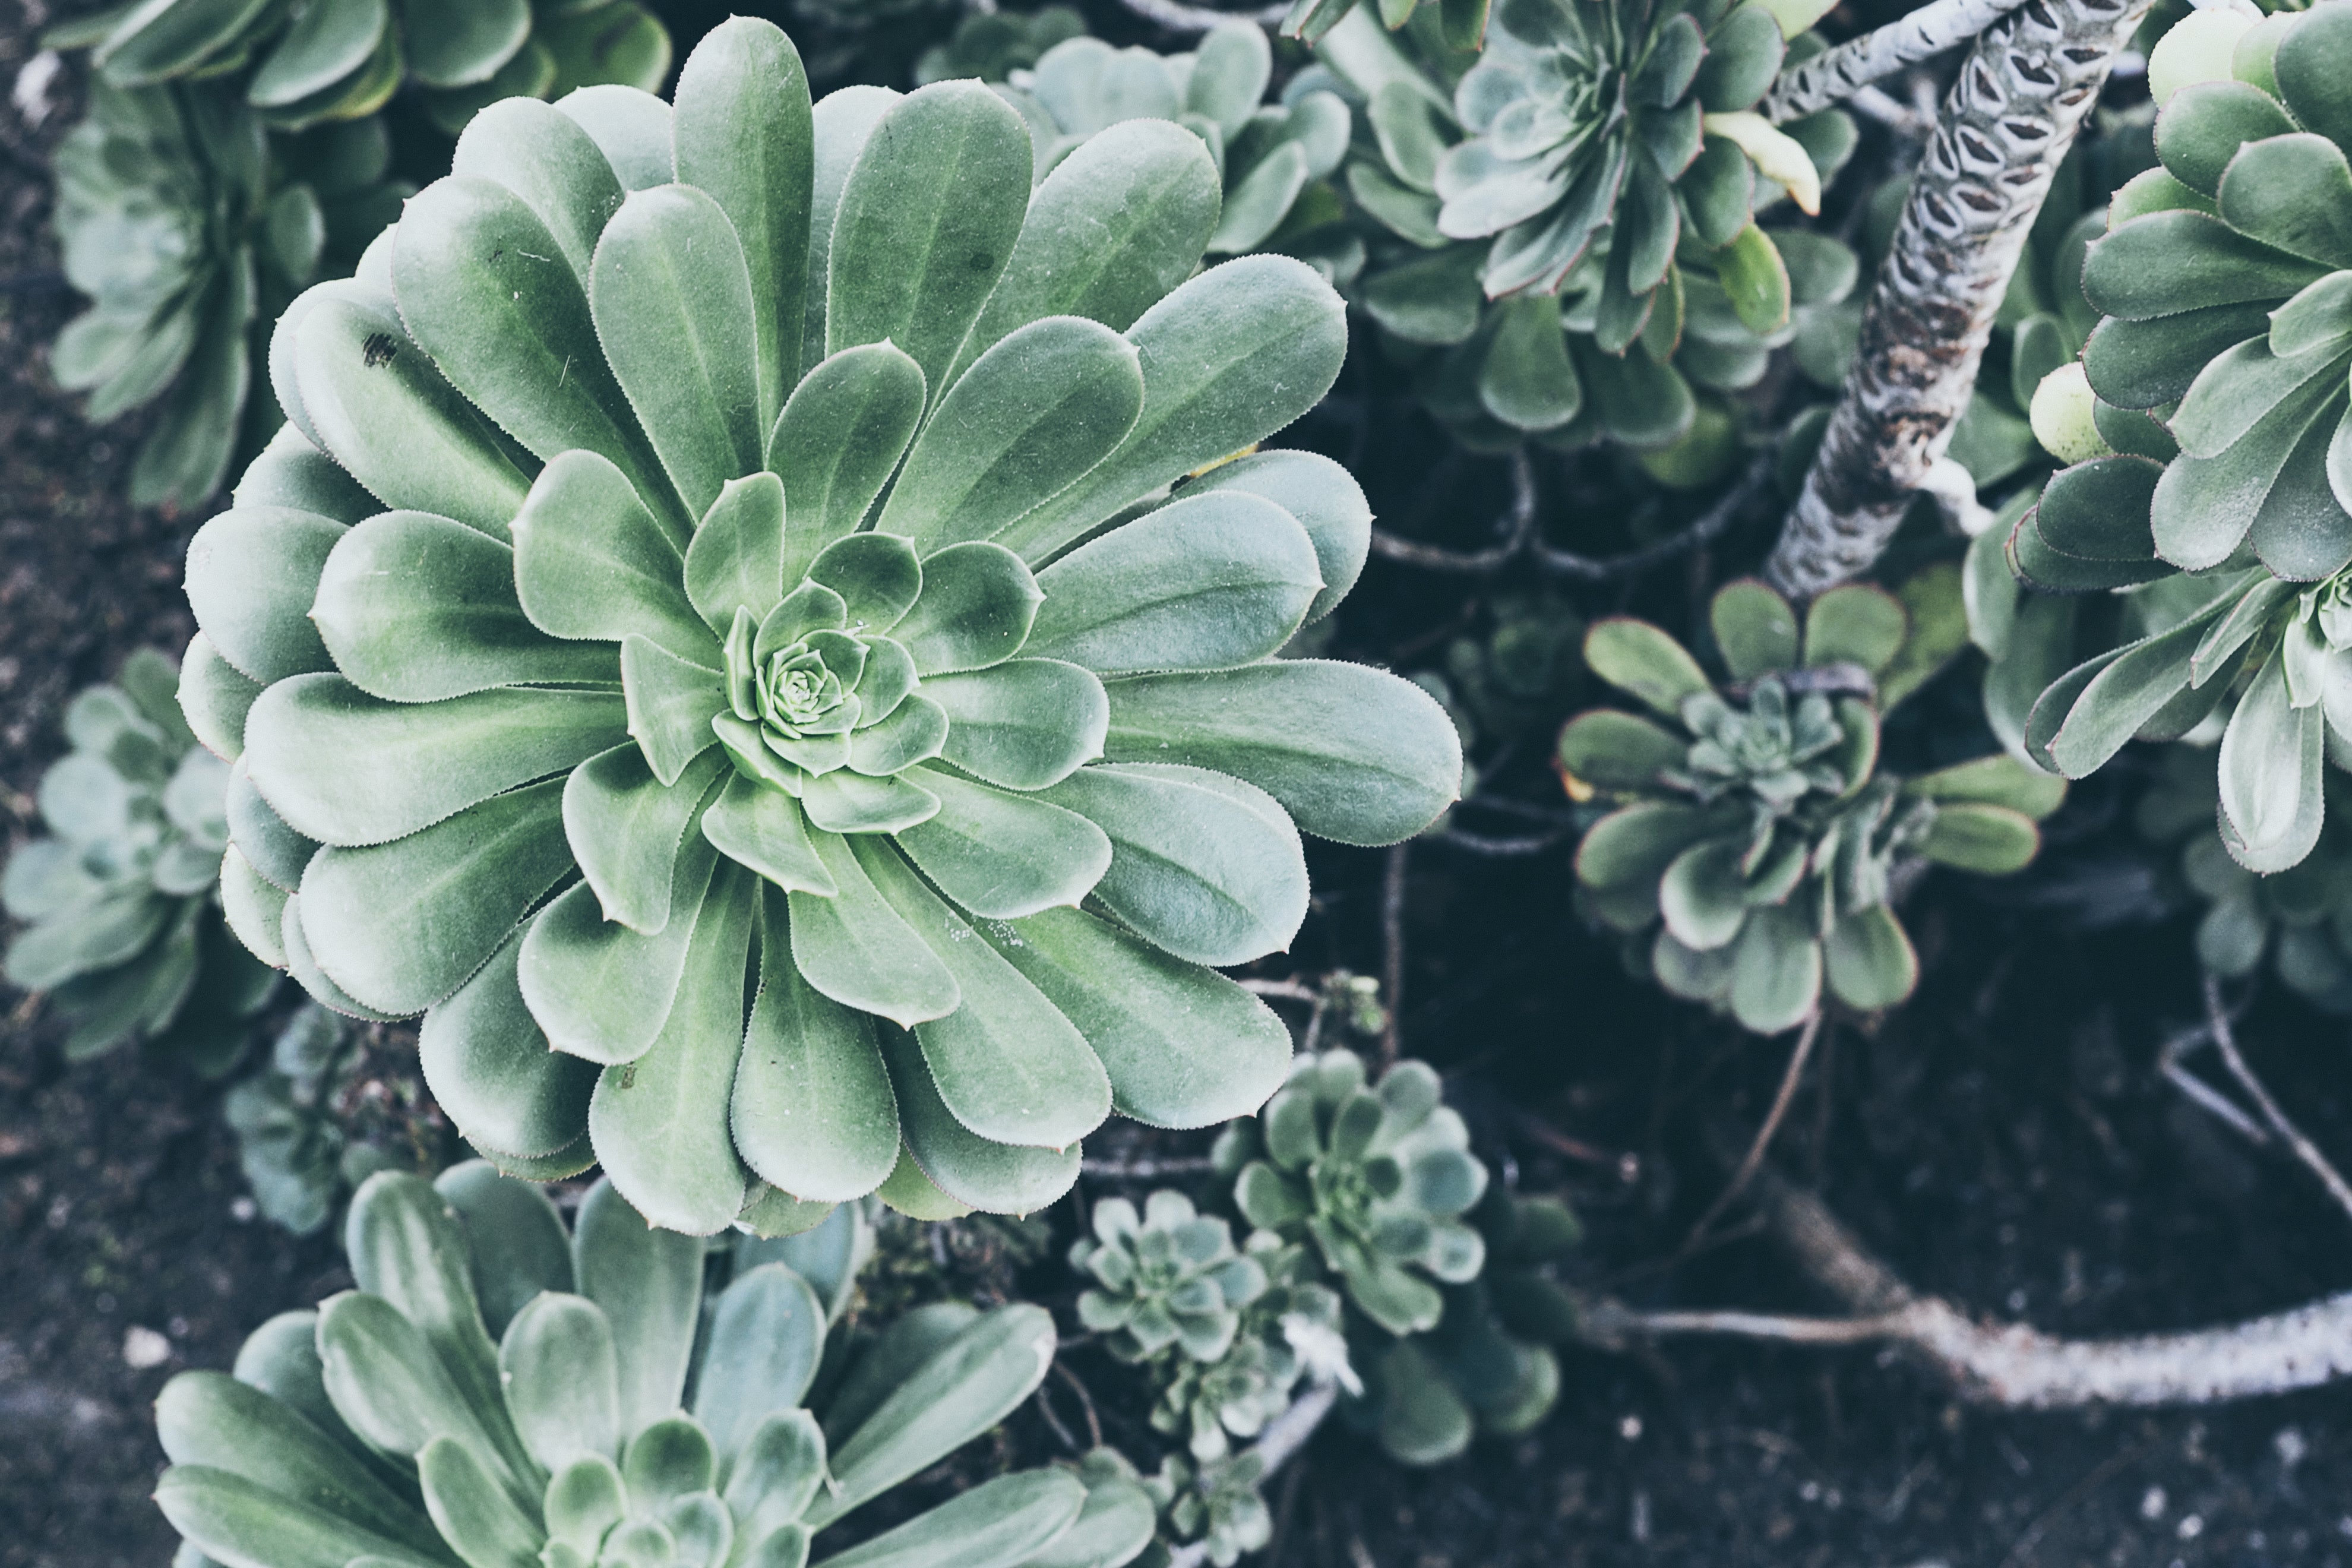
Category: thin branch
[1179,18]
[1764,1134]
[1519,523]
[2022,94]
[1703,529]
[1840,73]
[2216,1021]
[2009,1365]
[2203,1095]
[1392,947]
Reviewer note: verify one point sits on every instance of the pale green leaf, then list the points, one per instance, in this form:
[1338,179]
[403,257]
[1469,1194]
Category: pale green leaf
[812,1111]
[343,767]
[1353,754]
[673,305]
[1025,723]
[1211,581]
[416,608]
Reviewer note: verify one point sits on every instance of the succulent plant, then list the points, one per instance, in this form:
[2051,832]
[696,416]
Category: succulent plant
[498,1390]
[297,1158]
[1377,1177]
[344,59]
[1571,351]
[1487,1367]
[1216,1504]
[1759,833]
[1291,1329]
[188,228]
[1267,155]
[2299,921]
[2219,373]
[660,624]
[992,45]
[122,926]
[1168,1279]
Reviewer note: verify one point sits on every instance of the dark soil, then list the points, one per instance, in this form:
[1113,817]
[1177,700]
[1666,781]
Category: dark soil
[2004,1141]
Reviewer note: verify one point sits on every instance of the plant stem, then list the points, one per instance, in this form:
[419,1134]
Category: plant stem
[2009,1365]
[1842,72]
[2216,1020]
[1763,1140]
[2022,93]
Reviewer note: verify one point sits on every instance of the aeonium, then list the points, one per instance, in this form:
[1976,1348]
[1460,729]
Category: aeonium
[791,610]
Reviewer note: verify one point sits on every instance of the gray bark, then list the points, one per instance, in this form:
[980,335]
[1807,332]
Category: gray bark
[2021,95]
[1840,73]
[2010,1365]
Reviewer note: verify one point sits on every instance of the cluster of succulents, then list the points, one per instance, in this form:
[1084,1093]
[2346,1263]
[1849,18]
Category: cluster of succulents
[331,60]
[613,567]
[1564,225]
[1166,1279]
[499,1390]
[2199,428]
[1267,155]
[1375,1177]
[1370,1196]
[122,925]
[1757,832]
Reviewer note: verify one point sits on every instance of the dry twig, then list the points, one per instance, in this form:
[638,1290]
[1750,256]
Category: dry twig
[1754,1159]
[2008,1365]
[2217,1023]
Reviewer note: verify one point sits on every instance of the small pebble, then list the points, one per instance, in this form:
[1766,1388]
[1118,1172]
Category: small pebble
[143,1348]
[1630,1427]
[243,1210]
[2151,1504]
[2292,1447]
[2191,1528]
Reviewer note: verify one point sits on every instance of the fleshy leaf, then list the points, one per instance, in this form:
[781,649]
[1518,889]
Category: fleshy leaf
[1353,755]
[1030,417]
[1025,723]
[1000,855]
[812,1111]
[853,948]
[1211,581]
[660,1121]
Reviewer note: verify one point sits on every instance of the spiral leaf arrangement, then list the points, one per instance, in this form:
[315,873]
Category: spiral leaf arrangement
[2216,469]
[1758,833]
[123,925]
[783,596]
[497,1390]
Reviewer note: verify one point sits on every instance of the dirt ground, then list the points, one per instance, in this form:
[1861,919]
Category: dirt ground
[2004,1141]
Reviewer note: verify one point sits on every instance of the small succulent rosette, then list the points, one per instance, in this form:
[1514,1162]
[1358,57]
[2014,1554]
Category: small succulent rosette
[2299,921]
[500,1391]
[1168,1279]
[1566,238]
[751,631]
[189,228]
[123,927]
[1267,155]
[1758,833]
[313,65]
[1376,1177]
[1488,1367]
[1291,1329]
[2214,387]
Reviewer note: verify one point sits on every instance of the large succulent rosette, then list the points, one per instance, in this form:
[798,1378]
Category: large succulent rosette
[784,683]
[2222,437]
